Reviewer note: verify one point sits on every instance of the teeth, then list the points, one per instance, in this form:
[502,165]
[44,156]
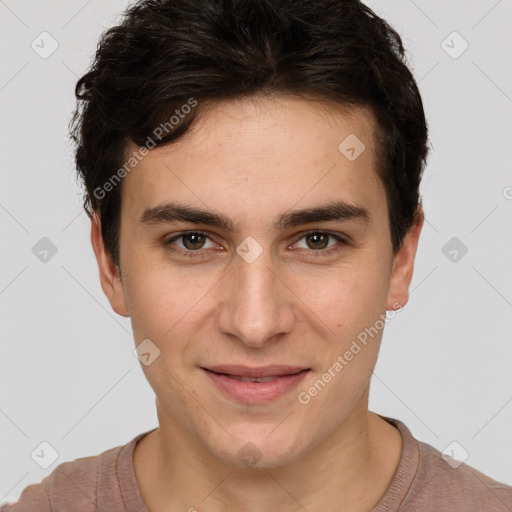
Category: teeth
[253,379]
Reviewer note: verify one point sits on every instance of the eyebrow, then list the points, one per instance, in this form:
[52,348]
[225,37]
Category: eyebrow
[174,212]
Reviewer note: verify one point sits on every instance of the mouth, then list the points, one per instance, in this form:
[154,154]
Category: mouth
[255,385]
[251,379]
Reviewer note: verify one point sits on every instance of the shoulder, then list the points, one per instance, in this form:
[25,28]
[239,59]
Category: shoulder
[447,483]
[426,480]
[71,485]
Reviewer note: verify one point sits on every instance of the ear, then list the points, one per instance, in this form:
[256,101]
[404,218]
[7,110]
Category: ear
[403,265]
[110,278]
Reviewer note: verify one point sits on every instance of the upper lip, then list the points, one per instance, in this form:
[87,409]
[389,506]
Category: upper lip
[256,372]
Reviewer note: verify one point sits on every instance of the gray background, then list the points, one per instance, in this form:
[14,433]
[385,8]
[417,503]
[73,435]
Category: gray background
[68,374]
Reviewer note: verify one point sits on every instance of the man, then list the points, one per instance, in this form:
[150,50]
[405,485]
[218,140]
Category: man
[252,173]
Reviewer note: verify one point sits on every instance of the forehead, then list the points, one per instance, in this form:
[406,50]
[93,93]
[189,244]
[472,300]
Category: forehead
[262,154]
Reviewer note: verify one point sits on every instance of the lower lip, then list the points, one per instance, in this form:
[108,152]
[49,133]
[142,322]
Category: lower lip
[256,392]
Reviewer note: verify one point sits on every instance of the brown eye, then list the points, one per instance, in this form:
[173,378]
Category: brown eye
[317,240]
[193,241]
[321,243]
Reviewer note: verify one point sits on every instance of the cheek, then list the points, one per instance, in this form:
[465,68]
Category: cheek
[346,299]
[166,304]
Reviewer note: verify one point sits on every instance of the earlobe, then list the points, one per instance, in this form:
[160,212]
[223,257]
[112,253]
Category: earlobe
[110,278]
[403,265]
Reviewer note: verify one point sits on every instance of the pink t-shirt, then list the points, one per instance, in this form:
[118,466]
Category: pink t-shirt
[423,482]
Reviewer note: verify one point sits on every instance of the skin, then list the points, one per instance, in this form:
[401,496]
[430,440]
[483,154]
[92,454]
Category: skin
[252,160]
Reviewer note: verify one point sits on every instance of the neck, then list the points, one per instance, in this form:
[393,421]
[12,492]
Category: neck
[349,470]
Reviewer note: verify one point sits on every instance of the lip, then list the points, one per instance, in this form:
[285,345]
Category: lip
[286,379]
[275,370]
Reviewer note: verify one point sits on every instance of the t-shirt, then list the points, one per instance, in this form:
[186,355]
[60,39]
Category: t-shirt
[423,482]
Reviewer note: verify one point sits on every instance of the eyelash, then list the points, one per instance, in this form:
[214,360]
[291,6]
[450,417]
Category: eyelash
[200,252]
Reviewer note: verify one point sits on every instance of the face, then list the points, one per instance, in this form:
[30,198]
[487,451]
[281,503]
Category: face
[279,254]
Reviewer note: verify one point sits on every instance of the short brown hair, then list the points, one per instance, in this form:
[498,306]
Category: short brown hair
[164,53]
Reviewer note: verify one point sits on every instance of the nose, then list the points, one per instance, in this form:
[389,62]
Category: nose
[255,304]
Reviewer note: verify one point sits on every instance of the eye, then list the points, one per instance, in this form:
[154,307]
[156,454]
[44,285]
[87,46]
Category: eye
[321,242]
[191,243]
[195,243]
